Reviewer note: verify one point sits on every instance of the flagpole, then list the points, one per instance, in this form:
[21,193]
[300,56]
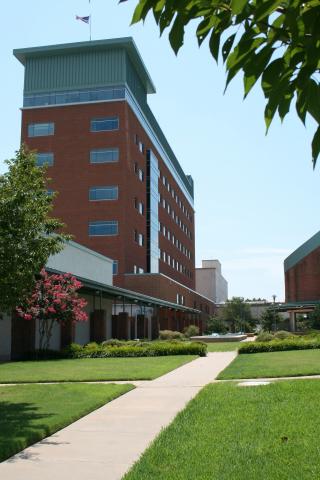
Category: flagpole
[90,25]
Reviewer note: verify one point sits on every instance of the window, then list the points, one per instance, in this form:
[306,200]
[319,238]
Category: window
[50,192]
[40,129]
[103,228]
[164,256]
[103,193]
[104,124]
[141,147]
[140,239]
[104,155]
[140,270]
[115,267]
[140,208]
[44,159]
[135,269]
[140,175]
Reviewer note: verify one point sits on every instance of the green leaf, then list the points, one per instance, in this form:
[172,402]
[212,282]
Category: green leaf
[315,147]
[141,11]
[314,100]
[271,75]
[214,44]
[265,8]
[227,46]
[176,34]
[254,68]
[237,6]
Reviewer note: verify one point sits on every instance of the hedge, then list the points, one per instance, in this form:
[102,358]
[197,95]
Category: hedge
[145,349]
[278,346]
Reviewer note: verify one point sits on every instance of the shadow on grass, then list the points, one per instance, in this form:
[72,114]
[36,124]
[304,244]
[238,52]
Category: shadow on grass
[20,425]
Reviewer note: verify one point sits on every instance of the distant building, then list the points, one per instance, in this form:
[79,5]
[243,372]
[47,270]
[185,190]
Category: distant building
[302,279]
[210,282]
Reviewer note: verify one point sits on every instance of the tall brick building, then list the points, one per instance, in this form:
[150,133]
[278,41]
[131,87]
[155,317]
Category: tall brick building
[121,190]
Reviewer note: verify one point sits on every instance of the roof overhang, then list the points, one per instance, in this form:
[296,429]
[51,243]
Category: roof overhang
[129,295]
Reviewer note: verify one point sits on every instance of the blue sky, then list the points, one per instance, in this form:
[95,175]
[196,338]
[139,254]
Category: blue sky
[256,196]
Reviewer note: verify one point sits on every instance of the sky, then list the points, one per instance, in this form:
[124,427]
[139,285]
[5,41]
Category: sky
[256,196]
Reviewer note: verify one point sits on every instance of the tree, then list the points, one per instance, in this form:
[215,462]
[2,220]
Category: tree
[275,40]
[26,239]
[54,299]
[215,324]
[238,314]
[270,319]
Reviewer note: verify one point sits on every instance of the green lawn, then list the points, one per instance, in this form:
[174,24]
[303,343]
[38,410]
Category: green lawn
[29,413]
[274,364]
[223,346]
[90,369]
[228,432]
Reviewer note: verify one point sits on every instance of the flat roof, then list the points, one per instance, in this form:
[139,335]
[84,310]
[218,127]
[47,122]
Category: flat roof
[23,54]
[301,252]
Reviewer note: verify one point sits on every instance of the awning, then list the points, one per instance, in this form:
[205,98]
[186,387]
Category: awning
[129,295]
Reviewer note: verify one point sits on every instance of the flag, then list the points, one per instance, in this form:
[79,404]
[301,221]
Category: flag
[120,1]
[83,19]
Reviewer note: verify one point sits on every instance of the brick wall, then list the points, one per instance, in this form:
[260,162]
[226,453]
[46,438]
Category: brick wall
[302,282]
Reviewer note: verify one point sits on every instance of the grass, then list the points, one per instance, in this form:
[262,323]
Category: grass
[228,432]
[90,369]
[223,346]
[273,364]
[29,413]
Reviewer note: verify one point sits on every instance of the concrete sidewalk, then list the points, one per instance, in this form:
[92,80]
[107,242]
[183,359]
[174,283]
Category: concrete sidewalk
[105,444]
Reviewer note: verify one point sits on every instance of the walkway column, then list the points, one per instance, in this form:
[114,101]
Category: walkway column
[292,321]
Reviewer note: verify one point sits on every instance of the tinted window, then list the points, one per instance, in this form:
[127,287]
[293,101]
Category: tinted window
[103,228]
[104,124]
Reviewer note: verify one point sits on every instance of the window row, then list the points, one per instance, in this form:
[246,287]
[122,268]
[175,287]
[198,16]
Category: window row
[103,124]
[175,241]
[174,195]
[166,205]
[139,144]
[101,155]
[172,262]
[77,96]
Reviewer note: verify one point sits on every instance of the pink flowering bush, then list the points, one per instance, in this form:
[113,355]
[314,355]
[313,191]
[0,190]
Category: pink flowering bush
[54,299]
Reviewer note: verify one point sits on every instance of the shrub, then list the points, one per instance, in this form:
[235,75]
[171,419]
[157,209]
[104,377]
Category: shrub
[282,335]
[264,337]
[143,349]
[279,345]
[170,335]
[191,331]
[112,342]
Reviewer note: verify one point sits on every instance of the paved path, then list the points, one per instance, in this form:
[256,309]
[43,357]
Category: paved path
[105,444]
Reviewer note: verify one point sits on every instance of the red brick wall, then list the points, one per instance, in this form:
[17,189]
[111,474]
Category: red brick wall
[164,217]
[72,175]
[302,282]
